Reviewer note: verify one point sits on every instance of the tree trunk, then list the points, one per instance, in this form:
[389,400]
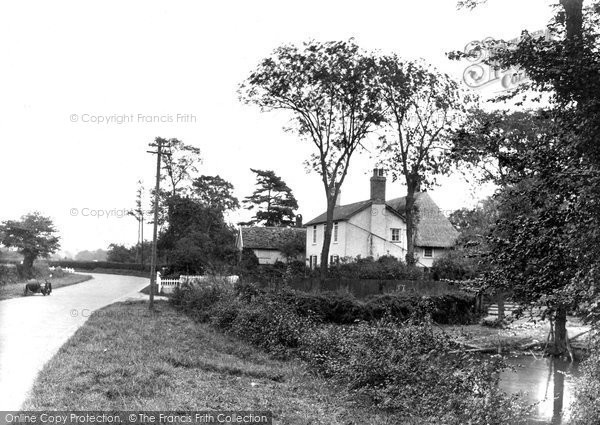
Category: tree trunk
[559,348]
[412,185]
[501,314]
[574,17]
[327,237]
[28,260]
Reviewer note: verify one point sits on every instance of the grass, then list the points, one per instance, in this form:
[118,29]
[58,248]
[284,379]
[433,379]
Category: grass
[128,358]
[14,290]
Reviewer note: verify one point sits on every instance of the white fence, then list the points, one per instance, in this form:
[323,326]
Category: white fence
[166,286]
[64,269]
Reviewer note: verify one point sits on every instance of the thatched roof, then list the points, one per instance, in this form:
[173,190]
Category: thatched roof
[271,237]
[433,228]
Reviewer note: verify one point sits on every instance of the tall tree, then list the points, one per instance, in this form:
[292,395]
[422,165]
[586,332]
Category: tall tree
[549,251]
[180,165]
[139,214]
[422,105]
[33,236]
[273,199]
[329,88]
[197,239]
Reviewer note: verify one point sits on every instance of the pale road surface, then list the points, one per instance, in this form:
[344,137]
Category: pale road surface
[33,328]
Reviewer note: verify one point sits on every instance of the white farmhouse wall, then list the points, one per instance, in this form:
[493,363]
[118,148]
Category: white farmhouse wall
[367,233]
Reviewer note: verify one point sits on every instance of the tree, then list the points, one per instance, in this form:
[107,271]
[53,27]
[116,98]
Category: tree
[273,199]
[138,213]
[329,89]
[118,253]
[180,165]
[421,107]
[215,192]
[197,238]
[547,250]
[33,236]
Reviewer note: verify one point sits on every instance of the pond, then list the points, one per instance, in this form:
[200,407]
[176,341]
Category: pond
[546,381]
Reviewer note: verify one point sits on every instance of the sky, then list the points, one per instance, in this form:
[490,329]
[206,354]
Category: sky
[85,86]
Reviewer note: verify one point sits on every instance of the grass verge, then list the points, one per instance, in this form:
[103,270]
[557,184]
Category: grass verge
[14,290]
[128,358]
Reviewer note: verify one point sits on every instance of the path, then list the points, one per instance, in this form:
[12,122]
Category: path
[33,328]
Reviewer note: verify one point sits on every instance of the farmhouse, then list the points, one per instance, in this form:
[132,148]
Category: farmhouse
[376,227]
[271,244]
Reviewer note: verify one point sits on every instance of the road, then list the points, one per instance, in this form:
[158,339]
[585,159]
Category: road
[33,328]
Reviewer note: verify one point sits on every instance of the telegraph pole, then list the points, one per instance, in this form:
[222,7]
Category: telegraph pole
[158,143]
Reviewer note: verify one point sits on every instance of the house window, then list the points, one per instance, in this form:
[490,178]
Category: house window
[395,235]
[335,232]
[334,259]
[314,234]
[313,261]
[428,252]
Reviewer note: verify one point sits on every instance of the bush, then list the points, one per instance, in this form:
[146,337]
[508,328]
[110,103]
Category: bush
[453,265]
[402,366]
[344,308]
[384,268]
[586,407]
[198,300]
[413,370]
[8,274]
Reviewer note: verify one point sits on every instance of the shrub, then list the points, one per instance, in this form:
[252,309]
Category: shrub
[8,274]
[453,265]
[269,325]
[411,369]
[384,268]
[198,300]
[344,308]
[405,367]
[586,407]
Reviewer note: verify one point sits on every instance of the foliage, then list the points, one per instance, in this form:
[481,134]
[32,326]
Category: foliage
[215,193]
[118,253]
[273,200]
[454,265]
[269,273]
[422,106]
[544,247]
[405,367]
[413,369]
[33,236]
[329,88]
[197,238]
[586,406]
[8,274]
[384,268]
[180,165]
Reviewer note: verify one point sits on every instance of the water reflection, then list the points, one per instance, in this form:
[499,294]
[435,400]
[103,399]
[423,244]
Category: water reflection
[545,381]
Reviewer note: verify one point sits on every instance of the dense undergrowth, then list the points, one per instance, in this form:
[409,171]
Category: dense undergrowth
[392,357]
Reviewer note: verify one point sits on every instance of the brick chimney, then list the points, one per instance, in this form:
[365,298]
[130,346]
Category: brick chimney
[378,186]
